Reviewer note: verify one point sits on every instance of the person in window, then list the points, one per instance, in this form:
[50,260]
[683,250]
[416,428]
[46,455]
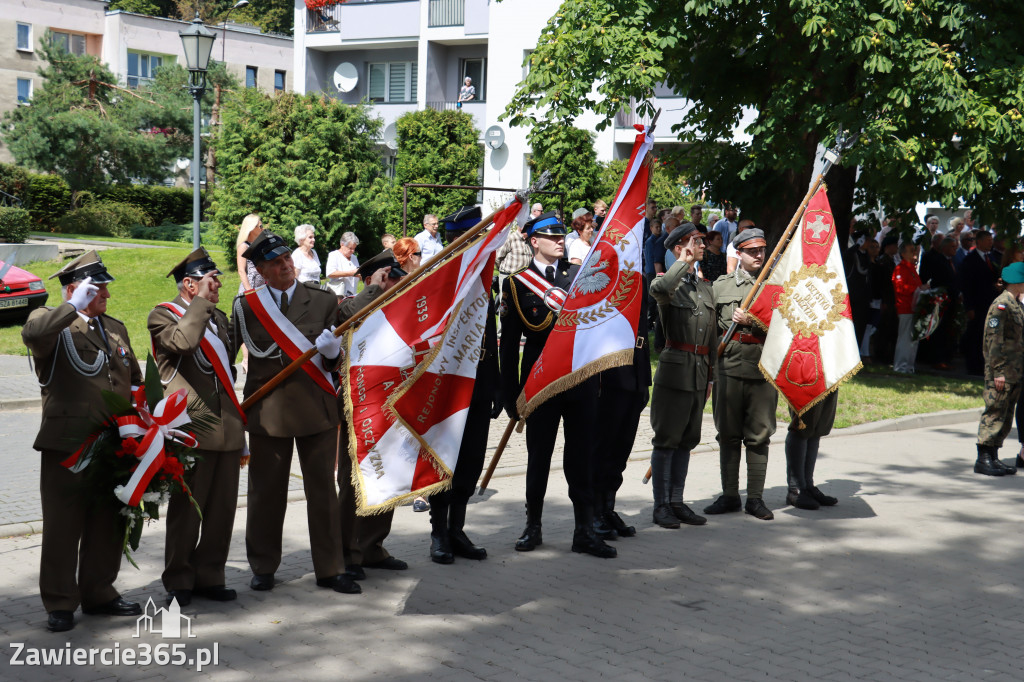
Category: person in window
[307,263]
[467,93]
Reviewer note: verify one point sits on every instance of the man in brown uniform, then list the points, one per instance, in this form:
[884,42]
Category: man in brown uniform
[79,352]
[193,348]
[301,413]
[364,535]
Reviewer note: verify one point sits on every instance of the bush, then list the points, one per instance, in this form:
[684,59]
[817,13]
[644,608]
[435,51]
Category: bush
[49,198]
[105,218]
[14,181]
[14,225]
[163,204]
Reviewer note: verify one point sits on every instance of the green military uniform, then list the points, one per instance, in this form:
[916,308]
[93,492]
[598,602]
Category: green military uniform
[1004,356]
[743,401]
[687,313]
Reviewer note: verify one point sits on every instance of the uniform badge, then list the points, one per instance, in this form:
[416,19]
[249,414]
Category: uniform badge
[123,353]
[533,311]
[994,322]
[503,306]
[1001,306]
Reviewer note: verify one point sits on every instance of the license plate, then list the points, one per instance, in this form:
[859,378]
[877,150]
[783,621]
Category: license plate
[14,302]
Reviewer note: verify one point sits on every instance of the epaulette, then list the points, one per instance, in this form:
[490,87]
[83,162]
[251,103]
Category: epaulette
[113,318]
[317,285]
[516,272]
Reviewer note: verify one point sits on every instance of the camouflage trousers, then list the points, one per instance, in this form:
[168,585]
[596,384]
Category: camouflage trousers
[997,418]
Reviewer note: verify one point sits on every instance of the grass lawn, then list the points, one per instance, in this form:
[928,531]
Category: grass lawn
[140,284]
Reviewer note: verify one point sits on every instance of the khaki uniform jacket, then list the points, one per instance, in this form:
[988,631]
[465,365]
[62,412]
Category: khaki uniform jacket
[298,406]
[183,365]
[739,359]
[71,400]
[1004,339]
[687,310]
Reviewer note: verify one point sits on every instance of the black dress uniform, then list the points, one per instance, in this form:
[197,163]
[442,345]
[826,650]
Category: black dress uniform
[448,508]
[523,313]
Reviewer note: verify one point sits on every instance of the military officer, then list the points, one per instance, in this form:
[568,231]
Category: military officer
[448,509]
[364,535]
[194,350]
[282,319]
[79,351]
[802,441]
[682,380]
[744,401]
[524,313]
[1004,371]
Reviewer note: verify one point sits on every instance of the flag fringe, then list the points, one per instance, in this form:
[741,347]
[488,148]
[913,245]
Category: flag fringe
[817,399]
[612,360]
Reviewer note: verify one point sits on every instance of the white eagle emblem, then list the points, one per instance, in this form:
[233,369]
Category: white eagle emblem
[591,279]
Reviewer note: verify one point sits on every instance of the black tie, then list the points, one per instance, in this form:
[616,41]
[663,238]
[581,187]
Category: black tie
[549,273]
[284,302]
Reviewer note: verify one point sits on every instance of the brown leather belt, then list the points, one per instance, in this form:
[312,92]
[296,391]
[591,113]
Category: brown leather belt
[688,347]
[744,337]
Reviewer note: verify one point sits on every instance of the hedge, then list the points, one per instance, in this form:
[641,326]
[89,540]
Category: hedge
[14,225]
[106,218]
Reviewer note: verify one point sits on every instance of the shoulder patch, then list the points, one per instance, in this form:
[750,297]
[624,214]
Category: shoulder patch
[1001,306]
[994,322]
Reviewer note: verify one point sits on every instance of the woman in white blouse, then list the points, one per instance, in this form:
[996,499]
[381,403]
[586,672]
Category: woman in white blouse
[307,263]
[343,267]
[579,248]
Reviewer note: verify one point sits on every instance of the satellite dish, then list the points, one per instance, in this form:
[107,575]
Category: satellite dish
[494,137]
[391,137]
[345,77]
[182,164]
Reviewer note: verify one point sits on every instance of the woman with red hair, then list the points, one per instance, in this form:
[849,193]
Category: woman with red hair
[407,253]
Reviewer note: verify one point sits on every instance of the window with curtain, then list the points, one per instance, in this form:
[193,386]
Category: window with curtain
[250,76]
[142,67]
[24,36]
[24,90]
[392,82]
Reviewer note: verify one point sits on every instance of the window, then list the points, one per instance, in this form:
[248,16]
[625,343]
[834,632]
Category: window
[527,56]
[142,67]
[250,76]
[279,81]
[71,42]
[392,82]
[24,37]
[477,70]
[24,90]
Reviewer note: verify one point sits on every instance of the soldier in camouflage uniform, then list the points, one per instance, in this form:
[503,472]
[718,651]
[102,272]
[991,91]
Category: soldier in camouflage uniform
[1004,367]
[743,401]
[681,382]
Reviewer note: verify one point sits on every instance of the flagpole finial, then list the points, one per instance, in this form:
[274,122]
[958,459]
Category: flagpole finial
[540,183]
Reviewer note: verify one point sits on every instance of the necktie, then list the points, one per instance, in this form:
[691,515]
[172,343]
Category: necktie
[284,302]
[549,273]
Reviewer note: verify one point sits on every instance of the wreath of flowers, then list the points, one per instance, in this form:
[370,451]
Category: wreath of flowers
[137,454]
[928,310]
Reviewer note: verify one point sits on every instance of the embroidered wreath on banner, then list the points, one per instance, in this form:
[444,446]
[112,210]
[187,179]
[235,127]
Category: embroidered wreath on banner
[800,299]
[621,293]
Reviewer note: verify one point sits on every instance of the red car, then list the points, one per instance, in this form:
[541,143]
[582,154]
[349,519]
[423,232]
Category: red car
[21,292]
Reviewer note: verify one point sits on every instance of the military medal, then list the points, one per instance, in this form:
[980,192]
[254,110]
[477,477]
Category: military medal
[123,352]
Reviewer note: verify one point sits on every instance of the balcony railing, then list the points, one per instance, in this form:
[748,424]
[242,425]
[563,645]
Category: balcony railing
[627,118]
[328,19]
[452,106]
[446,13]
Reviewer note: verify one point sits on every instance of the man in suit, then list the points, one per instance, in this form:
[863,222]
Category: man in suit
[79,353]
[978,276]
[194,350]
[938,269]
[364,536]
[523,312]
[276,322]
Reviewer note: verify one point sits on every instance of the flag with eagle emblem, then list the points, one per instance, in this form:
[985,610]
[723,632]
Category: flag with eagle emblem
[596,328]
[811,347]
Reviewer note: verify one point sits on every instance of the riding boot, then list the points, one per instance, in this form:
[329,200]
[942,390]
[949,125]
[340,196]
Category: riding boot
[796,452]
[440,543]
[531,537]
[460,544]
[613,518]
[661,483]
[812,459]
[680,467]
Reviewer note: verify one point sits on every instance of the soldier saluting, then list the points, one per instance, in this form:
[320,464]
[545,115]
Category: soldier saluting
[80,352]
[194,350]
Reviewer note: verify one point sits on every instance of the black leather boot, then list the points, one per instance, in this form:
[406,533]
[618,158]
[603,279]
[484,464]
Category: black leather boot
[1007,469]
[686,515]
[614,520]
[661,483]
[585,541]
[460,544]
[984,464]
[440,544]
[804,500]
[531,538]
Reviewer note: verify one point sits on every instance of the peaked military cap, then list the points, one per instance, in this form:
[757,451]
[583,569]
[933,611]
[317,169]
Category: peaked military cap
[197,265]
[384,259]
[546,223]
[267,246]
[750,238]
[463,219]
[680,233]
[87,265]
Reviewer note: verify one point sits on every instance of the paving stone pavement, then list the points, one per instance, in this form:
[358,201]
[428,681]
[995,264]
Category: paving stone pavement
[911,577]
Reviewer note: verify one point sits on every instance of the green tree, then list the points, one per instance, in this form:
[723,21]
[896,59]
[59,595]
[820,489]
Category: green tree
[933,86]
[668,187]
[438,148]
[297,159]
[568,152]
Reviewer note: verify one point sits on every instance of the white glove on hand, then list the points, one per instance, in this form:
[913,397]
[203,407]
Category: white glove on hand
[83,294]
[327,344]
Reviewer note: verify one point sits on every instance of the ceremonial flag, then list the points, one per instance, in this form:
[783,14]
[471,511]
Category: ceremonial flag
[390,465]
[596,328]
[811,347]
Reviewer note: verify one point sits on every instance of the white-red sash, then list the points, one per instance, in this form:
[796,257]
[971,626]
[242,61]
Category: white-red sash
[552,296]
[216,354]
[287,337]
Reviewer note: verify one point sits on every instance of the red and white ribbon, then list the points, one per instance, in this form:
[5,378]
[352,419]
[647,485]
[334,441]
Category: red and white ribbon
[553,296]
[154,428]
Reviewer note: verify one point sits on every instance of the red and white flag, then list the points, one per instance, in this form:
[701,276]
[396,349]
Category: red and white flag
[390,464]
[596,328]
[811,347]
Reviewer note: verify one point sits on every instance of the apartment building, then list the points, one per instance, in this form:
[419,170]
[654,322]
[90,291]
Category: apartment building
[133,46]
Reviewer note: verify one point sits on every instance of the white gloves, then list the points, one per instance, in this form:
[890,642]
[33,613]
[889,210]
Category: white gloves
[327,344]
[83,294]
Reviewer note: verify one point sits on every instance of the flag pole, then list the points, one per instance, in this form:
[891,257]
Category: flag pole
[401,286]
[497,455]
[832,156]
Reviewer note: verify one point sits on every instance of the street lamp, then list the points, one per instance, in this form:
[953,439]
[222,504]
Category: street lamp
[197,41]
[224,43]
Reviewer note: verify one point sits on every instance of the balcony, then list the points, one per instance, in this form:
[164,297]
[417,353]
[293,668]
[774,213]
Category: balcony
[363,19]
[446,13]
[477,109]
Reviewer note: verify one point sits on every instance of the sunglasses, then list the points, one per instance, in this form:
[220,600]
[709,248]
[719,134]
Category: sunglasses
[418,253]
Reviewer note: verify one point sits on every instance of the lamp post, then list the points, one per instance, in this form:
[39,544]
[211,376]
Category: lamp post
[224,42]
[197,41]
